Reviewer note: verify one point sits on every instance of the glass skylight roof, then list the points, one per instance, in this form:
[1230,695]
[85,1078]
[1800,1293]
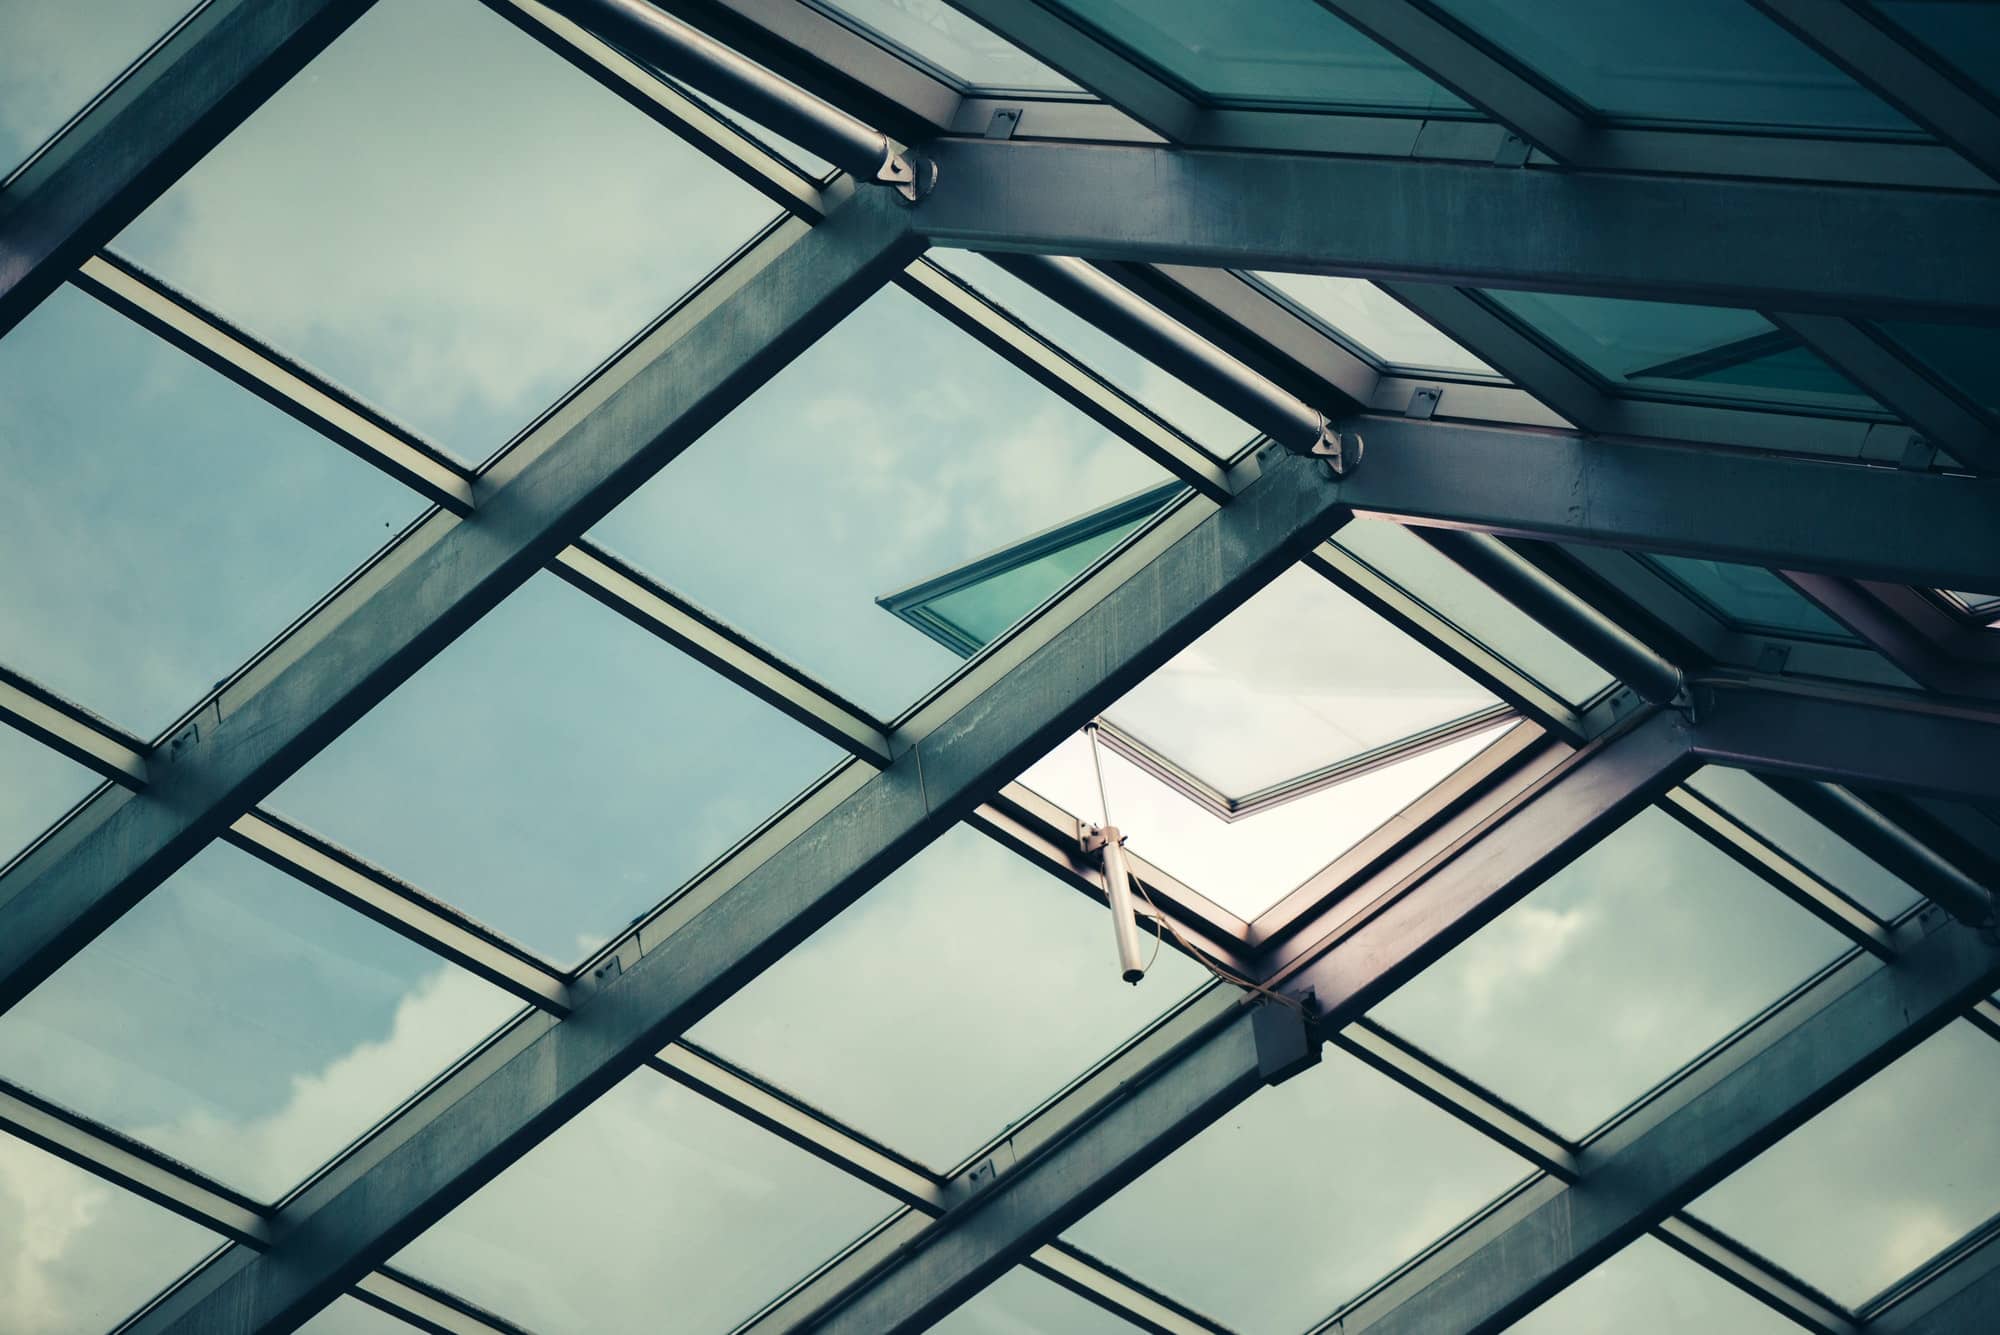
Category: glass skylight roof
[843,648]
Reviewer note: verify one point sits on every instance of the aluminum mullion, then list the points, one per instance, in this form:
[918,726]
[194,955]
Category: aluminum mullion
[1957,1297]
[1718,1116]
[1091,61]
[134,140]
[1091,1280]
[1736,1265]
[1729,242]
[286,385]
[73,730]
[583,458]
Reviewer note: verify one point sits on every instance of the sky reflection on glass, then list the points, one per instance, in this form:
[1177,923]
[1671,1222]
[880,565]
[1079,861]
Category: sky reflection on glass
[905,1016]
[161,525]
[556,772]
[894,449]
[1203,1226]
[351,1316]
[78,1254]
[244,1024]
[1807,842]
[1651,1289]
[1021,1302]
[1374,321]
[653,1209]
[446,218]
[37,786]
[955,44]
[1620,968]
[59,54]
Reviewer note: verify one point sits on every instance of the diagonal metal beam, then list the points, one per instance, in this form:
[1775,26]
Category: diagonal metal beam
[1719,242]
[1831,1039]
[1869,47]
[1960,1298]
[418,1169]
[136,140]
[1759,509]
[589,454]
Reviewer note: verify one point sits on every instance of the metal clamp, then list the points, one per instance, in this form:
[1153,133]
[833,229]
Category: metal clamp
[912,176]
[1342,452]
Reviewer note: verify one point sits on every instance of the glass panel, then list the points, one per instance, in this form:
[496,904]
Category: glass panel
[950,42]
[1711,352]
[1883,1180]
[1366,316]
[1650,1289]
[556,772]
[1962,355]
[1980,605]
[1361,1173]
[351,1316]
[1807,842]
[159,525]
[1264,51]
[652,1209]
[894,448]
[58,55]
[1749,597]
[1463,600]
[1617,971]
[77,1254]
[1200,418]
[1299,678]
[1714,62]
[1249,864]
[245,1024]
[906,1017]
[1966,35]
[1021,1302]
[37,786]
[447,218]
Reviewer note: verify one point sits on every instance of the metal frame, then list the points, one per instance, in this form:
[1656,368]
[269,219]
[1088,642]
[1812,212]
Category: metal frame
[1548,455]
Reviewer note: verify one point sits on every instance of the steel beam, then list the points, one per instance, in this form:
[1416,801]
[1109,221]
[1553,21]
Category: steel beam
[1758,509]
[1732,243]
[584,458]
[664,981]
[138,137]
[1772,1080]
[1960,1298]
[1869,46]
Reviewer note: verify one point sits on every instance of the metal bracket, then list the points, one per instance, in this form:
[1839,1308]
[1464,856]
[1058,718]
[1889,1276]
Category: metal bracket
[1340,451]
[1424,402]
[1286,1042]
[1513,152]
[1097,836]
[1918,455]
[1771,658]
[1005,121]
[910,174]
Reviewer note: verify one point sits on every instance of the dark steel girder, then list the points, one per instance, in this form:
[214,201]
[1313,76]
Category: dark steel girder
[416,1171]
[1760,509]
[125,151]
[668,388]
[1720,242]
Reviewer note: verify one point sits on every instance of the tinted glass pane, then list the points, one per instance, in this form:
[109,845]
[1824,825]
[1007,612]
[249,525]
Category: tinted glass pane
[895,449]
[1299,678]
[556,772]
[1704,61]
[1650,1289]
[447,218]
[947,39]
[1619,969]
[1750,597]
[1376,322]
[245,1024]
[653,1209]
[77,1255]
[1804,840]
[1883,1180]
[906,1016]
[37,785]
[1363,1174]
[1264,51]
[1705,351]
[1021,1302]
[351,1316]
[1248,864]
[60,54]
[159,525]
[1448,590]
[1966,33]
[1962,355]
[1215,428]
